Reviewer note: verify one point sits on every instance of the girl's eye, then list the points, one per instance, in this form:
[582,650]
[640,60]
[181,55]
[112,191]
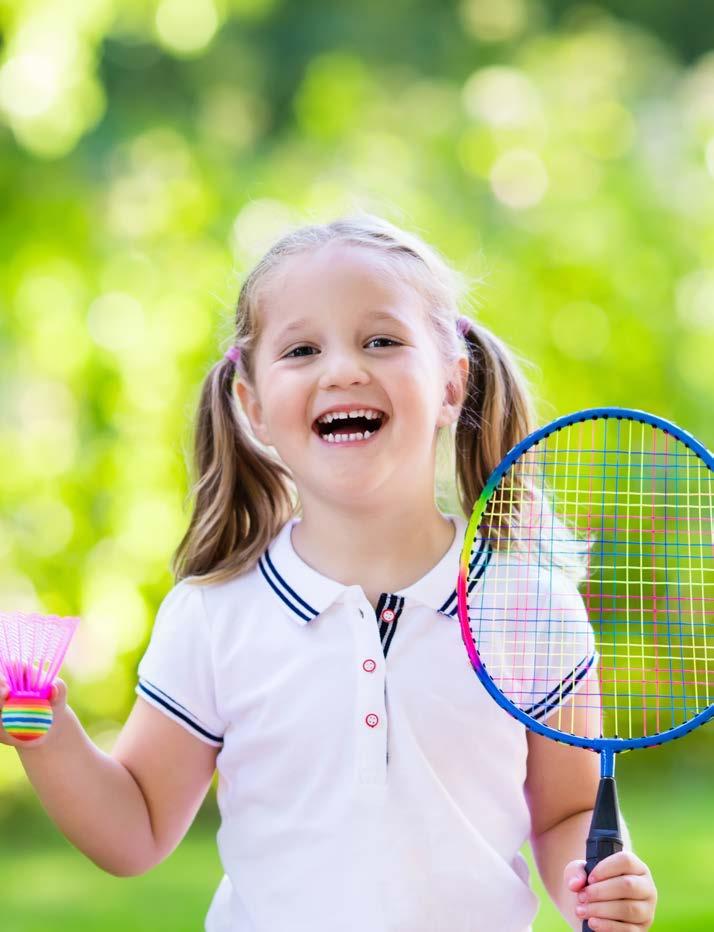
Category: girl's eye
[384,340]
[295,351]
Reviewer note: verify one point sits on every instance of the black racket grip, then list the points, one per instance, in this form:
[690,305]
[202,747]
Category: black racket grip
[597,849]
[604,838]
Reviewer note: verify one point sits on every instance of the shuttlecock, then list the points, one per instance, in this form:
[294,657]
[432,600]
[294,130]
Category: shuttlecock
[32,648]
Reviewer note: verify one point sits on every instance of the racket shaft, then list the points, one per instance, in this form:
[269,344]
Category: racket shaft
[605,837]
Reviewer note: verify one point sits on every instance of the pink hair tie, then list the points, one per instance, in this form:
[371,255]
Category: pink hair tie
[233,353]
[464,325]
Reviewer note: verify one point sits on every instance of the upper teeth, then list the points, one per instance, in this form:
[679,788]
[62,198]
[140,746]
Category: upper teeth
[369,413]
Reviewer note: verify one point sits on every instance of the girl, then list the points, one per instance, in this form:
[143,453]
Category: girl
[317,662]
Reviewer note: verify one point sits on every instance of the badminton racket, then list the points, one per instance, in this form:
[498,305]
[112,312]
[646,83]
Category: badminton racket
[593,622]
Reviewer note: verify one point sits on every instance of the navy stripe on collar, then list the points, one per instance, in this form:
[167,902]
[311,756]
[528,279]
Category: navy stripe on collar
[477,567]
[283,591]
[305,612]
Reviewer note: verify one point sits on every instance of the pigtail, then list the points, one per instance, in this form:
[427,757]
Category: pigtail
[242,495]
[496,414]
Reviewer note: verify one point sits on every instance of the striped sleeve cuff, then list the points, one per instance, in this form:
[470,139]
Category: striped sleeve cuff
[160,700]
[565,687]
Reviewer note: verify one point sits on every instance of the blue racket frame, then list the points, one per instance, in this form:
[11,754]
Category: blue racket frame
[607,747]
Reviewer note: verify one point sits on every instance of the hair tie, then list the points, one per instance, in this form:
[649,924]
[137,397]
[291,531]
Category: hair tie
[464,325]
[233,353]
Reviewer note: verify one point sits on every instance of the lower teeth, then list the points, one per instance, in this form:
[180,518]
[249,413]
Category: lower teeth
[341,438]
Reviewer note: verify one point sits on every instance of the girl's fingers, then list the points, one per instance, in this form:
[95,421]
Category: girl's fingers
[634,912]
[4,736]
[626,887]
[624,862]
[59,692]
[620,897]
[58,696]
[4,690]
[574,874]
[612,925]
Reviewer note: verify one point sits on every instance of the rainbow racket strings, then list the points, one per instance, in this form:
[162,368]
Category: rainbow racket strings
[593,623]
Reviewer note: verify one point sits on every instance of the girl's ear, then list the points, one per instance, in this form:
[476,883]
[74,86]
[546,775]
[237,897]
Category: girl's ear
[253,412]
[455,393]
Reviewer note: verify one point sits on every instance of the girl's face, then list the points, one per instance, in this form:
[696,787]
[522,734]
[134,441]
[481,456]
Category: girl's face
[335,335]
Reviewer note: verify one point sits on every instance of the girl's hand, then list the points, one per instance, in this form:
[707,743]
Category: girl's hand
[58,701]
[620,897]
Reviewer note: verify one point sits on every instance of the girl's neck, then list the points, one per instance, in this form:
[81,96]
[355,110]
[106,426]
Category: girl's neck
[381,552]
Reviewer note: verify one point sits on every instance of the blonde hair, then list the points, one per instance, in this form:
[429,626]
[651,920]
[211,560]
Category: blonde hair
[244,494]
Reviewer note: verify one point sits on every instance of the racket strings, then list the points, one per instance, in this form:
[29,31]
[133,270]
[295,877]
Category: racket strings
[602,557]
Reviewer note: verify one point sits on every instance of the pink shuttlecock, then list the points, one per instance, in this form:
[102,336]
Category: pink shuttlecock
[32,648]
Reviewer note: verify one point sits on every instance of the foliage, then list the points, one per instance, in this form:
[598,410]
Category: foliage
[150,152]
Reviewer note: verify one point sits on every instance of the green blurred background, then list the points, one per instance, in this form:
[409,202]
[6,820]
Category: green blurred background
[560,155]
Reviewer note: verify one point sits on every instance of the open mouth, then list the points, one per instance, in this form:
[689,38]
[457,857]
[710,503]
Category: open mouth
[343,428]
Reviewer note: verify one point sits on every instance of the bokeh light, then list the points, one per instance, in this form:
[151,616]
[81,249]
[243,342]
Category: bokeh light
[186,26]
[495,22]
[502,97]
[559,154]
[519,178]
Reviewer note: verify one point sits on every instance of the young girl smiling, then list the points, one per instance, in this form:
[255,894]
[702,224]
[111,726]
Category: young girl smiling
[310,649]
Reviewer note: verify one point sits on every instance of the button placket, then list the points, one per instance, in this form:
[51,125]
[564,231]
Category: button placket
[371,719]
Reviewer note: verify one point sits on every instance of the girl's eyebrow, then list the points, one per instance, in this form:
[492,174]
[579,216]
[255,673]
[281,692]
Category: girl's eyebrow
[374,315]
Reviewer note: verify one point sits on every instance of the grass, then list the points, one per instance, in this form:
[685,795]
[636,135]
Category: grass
[46,883]
[54,886]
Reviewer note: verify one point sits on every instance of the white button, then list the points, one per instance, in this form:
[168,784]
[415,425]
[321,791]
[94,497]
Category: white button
[372,720]
[388,615]
[369,666]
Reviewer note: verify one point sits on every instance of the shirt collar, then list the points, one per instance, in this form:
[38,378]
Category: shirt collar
[305,593]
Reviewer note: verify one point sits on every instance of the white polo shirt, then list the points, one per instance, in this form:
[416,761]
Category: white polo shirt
[367,782]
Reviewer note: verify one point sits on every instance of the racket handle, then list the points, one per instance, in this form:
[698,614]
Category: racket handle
[605,837]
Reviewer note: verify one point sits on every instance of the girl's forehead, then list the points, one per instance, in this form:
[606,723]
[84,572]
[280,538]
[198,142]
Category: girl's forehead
[336,276]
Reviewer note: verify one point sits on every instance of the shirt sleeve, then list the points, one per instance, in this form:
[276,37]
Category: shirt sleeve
[176,673]
[534,638]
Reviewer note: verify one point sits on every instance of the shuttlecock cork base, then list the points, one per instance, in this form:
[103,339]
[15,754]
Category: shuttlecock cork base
[28,718]
[32,648]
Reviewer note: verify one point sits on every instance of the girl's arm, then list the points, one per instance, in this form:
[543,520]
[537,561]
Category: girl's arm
[561,786]
[126,811]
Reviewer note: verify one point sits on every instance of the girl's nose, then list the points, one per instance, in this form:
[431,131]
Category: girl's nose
[342,368]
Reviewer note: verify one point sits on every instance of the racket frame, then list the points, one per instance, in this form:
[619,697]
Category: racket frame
[607,747]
